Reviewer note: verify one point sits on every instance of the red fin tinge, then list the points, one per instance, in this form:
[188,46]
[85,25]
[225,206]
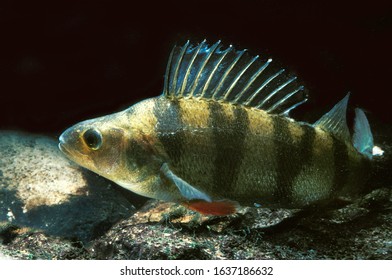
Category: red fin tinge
[216,208]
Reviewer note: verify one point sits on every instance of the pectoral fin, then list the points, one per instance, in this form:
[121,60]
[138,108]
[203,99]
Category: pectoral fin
[197,200]
[187,190]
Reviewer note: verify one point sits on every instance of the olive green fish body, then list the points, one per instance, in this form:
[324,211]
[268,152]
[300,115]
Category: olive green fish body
[220,135]
[249,156]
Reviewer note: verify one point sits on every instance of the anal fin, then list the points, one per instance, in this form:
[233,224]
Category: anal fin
[196,199]
[215,208]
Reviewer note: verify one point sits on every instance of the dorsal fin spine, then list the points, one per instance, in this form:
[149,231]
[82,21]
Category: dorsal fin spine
[166,89]
[239,76]
[277,90]
[222,80]
[285,99]
[287,111]
[214,70]
[178,63]
[253,78]
[266,82]
[190,67]
[210,73]
[264,100]
[207,58]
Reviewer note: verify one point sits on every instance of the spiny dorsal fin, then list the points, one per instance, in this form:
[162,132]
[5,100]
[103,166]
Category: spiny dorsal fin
[210,72]
[335,121]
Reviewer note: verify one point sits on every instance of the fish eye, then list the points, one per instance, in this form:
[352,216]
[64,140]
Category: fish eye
[92,138]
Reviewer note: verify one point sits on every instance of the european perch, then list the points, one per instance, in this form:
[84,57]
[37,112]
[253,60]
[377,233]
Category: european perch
[220,136]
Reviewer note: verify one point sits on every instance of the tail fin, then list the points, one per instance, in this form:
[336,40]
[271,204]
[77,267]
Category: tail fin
[363,138]
[363,141]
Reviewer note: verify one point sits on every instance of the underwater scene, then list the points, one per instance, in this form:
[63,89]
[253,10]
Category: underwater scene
[234,133]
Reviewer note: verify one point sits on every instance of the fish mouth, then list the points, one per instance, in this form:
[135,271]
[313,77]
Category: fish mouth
[63,148]
[61,144]
[71,153]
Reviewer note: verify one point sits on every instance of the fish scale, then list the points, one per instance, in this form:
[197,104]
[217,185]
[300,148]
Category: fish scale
[228,135]
[170,128]
[220,137]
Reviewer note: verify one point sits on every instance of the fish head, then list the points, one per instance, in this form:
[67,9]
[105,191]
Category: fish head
[117,147]
[96,145]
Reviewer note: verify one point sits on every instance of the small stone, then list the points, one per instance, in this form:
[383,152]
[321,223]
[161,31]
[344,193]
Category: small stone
[43,190]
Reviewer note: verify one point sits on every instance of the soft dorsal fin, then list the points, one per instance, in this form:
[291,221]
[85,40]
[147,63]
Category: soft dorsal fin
[335,121]
[210,72]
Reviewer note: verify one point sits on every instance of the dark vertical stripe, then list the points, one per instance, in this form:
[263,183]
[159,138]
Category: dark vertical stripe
[169,128]
[341,165]
[229,138]
[291,157]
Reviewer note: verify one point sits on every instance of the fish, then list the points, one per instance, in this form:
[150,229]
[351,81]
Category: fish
[219,137]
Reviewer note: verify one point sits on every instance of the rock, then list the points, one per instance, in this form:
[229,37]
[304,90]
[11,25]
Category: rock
[4,257]
[42,190]
[168,231]
[38,245]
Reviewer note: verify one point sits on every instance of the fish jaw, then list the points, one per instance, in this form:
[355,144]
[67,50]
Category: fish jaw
[66,137]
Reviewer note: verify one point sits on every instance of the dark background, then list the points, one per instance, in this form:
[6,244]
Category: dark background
[62,62]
